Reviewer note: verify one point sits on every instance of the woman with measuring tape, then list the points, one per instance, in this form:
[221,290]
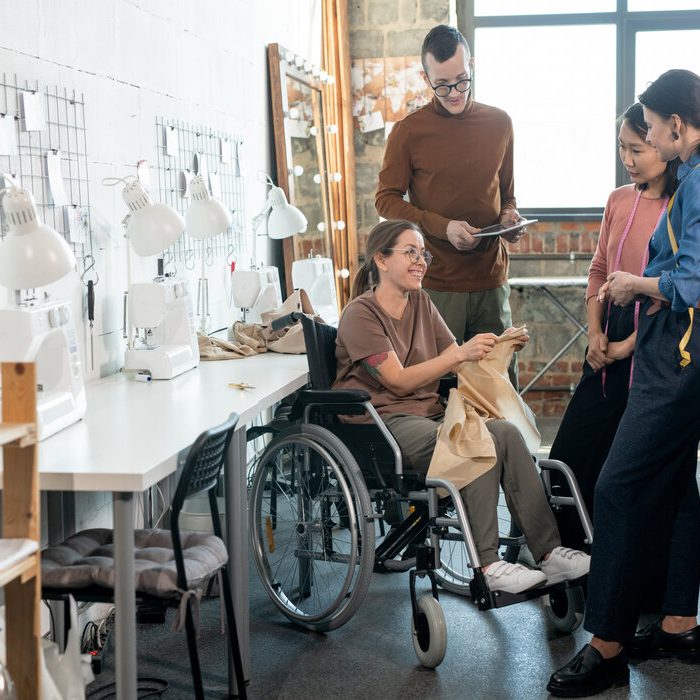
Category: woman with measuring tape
[594,412]
[647,509]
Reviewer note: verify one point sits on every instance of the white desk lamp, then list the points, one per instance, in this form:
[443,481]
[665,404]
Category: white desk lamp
[166,341]
[258,289]
[205,217]
[34,255]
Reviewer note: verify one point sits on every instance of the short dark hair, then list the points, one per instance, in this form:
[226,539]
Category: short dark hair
[442,42]
[634,116]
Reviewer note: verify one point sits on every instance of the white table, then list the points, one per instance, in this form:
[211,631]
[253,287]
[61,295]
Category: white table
[128,441]
[544,284]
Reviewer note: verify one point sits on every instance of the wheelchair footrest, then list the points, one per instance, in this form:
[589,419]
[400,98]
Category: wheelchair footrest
[486,599]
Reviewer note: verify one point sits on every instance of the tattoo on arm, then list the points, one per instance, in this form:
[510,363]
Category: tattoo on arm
[372,363]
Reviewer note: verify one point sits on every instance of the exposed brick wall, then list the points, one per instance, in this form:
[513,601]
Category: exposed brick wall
[390,28]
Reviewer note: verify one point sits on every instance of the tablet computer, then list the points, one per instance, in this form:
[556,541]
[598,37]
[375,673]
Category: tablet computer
[499,229]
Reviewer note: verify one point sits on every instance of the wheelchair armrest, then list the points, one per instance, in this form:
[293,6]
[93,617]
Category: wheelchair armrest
[333,396]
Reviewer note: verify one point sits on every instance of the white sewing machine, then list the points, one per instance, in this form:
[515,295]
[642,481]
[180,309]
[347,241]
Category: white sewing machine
[45,334]
[255,291]
[317,277]
[166,334]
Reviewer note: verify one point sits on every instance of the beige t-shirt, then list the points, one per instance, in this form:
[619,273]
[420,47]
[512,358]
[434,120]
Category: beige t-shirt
[365,329]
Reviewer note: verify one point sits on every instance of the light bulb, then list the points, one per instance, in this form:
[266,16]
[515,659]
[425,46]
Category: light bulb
[317,178]
[297,170]
[321,226]
[344,273]
[340,225]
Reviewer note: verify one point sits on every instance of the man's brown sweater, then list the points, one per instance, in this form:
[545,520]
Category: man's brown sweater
[454,167]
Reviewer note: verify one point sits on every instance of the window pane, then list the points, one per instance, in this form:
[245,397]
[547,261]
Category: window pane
[657,52]
[561,97]
[655,5]
[541,7]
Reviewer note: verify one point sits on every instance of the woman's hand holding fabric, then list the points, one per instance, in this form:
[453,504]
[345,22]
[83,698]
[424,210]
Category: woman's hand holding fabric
[478,347]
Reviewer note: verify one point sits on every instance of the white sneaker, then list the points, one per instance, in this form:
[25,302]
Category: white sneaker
[512,578]
[565,564]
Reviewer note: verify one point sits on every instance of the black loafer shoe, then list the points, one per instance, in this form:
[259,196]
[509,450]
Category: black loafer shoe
[653,643]
[588,673]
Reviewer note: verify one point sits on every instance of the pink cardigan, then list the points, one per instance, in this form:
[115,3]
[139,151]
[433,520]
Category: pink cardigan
[617,212]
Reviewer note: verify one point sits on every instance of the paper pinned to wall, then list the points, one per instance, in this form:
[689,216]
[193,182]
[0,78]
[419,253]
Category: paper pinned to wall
[76,224]
[239,158]
[226,150]
[57,190]
[215,185]
[172,141]
[33,111]
[374,121]
[8,140]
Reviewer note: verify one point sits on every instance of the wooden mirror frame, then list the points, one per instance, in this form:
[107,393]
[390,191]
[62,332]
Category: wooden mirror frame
[281,70]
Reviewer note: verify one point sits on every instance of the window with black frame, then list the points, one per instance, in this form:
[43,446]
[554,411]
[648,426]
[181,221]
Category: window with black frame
[563,70]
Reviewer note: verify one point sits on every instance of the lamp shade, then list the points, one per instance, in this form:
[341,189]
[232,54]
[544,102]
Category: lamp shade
[32,254]
[152,227]
[285,220]
[206,216]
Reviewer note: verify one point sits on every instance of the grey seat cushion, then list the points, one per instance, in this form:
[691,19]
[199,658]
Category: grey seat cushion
[87,558]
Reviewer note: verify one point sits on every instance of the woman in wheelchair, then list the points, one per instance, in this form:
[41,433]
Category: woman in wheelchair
[393,344]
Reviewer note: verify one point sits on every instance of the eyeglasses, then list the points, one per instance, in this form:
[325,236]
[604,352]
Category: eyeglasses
[445,90]
[415,256]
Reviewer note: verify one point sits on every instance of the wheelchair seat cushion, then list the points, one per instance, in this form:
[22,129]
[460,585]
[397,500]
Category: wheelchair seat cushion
[87,559]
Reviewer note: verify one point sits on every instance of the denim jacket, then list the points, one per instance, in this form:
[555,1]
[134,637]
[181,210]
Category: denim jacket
[680,273]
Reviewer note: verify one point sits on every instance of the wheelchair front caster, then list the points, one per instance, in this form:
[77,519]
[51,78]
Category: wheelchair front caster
[429,632]
[564,609]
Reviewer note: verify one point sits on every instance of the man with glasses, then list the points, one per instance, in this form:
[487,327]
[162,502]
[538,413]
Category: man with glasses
[454,158]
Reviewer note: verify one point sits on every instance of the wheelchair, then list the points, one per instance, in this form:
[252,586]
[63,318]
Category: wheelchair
[330,503]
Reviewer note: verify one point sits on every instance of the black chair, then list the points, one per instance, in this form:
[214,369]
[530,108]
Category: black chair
[171,566]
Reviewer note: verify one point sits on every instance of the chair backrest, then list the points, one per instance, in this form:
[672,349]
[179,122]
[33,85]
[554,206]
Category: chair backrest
[319,339]
[204,462]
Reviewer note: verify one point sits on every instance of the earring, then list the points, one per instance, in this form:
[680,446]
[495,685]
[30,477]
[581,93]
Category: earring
[674,135]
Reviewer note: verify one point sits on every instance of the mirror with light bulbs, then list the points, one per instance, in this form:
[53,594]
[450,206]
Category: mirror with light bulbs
[300,150]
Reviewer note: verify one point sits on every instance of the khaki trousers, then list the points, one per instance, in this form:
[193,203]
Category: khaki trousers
[515,471]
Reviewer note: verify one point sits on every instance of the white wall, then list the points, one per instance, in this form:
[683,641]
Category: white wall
[200,61]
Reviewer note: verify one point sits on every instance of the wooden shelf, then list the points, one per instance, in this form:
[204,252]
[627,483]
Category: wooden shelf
[20,566]
[25,567]
[17,434]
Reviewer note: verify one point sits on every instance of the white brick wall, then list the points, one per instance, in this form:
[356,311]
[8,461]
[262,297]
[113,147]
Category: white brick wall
[201,61]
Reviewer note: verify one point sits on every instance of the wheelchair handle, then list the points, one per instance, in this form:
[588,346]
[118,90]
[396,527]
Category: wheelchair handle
[286,320]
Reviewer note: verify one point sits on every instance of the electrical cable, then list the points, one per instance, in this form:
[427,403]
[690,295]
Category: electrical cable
[145,688]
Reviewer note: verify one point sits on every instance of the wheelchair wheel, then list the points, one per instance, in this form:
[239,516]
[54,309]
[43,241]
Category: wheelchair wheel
[311,529]
[429,632]
[564,609]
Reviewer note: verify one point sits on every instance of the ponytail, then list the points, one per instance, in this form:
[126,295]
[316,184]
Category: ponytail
[365,278]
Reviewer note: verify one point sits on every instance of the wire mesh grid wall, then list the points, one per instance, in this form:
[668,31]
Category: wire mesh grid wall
[24,153]
[190,150]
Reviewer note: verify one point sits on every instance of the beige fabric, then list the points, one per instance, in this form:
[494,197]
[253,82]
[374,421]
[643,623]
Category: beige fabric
[464,449]
[486,386]
[220,349]
[289,339]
